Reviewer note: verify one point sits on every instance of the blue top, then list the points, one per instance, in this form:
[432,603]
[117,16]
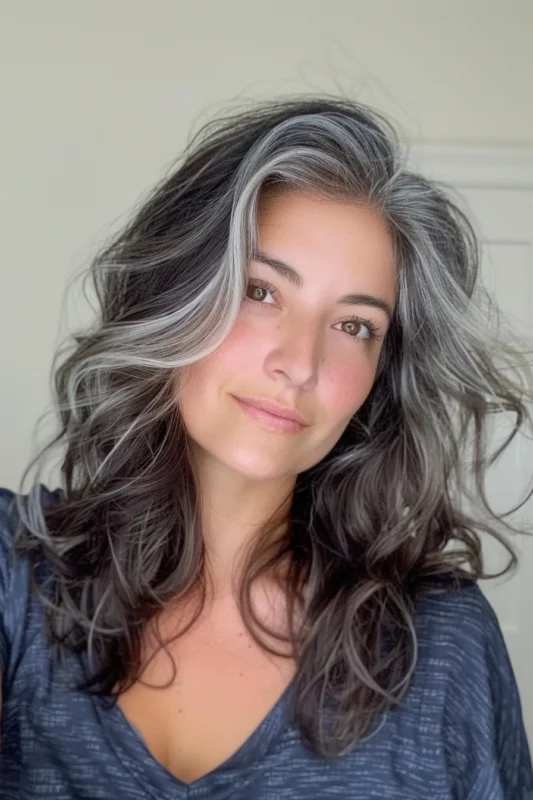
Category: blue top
[458,733]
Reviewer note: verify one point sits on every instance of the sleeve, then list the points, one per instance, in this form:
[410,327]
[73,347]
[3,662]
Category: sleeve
[7,501]
[486,747]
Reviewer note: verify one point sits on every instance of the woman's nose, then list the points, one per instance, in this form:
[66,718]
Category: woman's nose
[297,351]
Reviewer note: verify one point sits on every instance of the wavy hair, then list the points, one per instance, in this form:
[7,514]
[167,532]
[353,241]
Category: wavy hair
[369,525]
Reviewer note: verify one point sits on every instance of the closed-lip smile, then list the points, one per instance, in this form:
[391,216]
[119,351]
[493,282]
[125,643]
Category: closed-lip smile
[274,408]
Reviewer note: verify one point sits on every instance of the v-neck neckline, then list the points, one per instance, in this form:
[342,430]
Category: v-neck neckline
[238,769]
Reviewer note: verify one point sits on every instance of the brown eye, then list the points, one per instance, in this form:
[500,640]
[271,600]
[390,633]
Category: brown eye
[354,325]
[350,327]
[256,290]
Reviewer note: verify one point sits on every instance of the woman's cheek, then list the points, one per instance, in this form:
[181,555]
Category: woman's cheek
[348,387]
[239,341]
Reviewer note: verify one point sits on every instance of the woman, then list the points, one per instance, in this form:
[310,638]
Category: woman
[241,590]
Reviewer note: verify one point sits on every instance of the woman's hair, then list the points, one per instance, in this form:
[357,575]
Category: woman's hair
[368,526]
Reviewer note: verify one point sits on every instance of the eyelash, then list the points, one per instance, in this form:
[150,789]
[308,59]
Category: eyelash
[373,329]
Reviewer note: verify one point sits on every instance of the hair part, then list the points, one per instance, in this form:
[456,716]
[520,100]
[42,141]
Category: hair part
[368,525]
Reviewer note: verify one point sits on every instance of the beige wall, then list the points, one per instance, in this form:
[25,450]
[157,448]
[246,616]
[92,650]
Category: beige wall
[98,96]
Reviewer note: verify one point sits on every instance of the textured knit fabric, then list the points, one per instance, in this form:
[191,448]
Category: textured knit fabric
[459,732]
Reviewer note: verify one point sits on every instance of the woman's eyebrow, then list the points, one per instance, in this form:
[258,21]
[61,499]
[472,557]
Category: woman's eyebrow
[288,272]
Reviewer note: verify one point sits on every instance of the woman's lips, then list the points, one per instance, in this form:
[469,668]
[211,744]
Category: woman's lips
[269,421]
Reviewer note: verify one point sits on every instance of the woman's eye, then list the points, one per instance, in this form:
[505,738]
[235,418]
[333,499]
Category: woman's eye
[353,328]
[258,291]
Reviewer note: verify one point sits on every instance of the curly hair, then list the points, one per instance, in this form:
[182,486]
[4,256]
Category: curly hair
[370,524]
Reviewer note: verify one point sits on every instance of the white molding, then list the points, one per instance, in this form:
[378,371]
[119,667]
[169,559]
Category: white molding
[474,166]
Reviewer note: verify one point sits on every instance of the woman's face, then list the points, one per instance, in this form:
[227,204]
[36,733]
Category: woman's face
[295,345]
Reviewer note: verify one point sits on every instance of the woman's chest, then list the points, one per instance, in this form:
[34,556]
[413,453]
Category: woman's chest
[224,686]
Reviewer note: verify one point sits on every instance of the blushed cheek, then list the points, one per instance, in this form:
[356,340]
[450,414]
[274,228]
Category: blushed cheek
[347,388]
[239,350]
[228,364]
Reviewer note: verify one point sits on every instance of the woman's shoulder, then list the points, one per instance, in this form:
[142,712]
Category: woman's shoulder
[467,685]
[14,569]
[463,644]
[9,518]
[20,613]
[463,657]
[459,625]
[7,508]
[447,597]
[10,500]
[10,504]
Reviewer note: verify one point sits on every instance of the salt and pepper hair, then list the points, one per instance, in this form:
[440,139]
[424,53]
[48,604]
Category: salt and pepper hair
[370,524]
